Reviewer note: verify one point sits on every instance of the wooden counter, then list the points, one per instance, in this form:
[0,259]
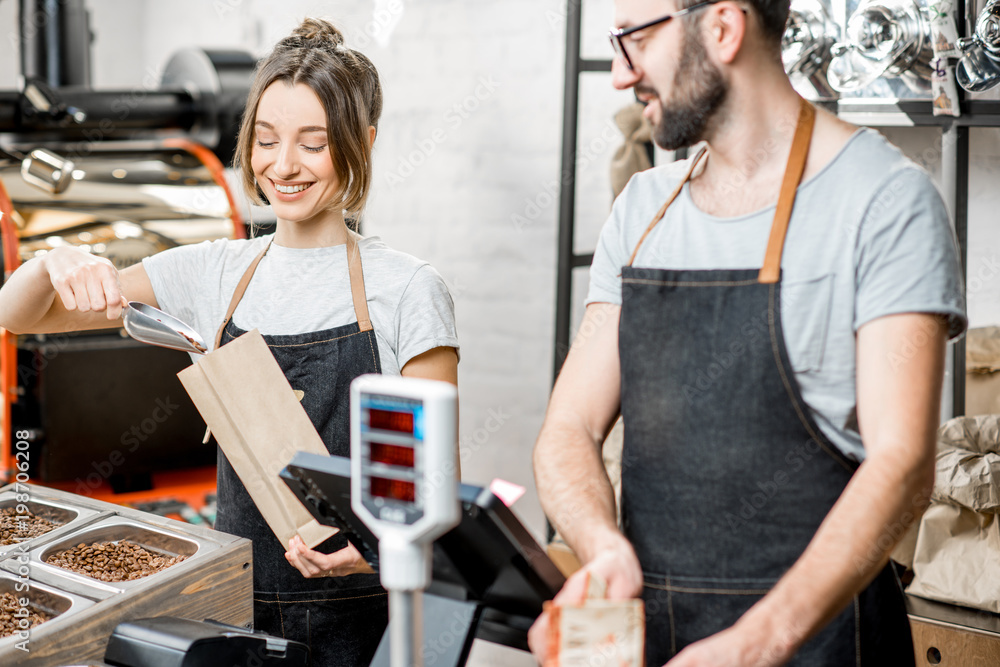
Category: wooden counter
[946,635]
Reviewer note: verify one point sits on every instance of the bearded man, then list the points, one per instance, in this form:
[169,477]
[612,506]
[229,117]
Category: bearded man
[769,317]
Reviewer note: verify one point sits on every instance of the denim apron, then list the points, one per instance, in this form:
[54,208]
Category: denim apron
[725,474]
[341,618]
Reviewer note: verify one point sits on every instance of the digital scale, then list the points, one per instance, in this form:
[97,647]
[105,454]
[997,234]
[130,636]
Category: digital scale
[398,501]
[404,486]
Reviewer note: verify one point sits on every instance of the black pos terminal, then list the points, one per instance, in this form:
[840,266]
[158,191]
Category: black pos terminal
[490,577]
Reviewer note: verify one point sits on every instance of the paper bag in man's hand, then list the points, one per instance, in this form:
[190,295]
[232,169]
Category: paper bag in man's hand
[597,631]
[246,400]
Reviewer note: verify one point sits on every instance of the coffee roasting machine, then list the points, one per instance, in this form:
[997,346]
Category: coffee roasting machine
[123,174]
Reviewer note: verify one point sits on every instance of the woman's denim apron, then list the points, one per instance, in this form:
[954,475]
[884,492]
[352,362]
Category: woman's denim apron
[725,475]
[341,618]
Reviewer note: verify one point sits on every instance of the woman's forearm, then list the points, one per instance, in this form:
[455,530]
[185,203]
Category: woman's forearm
[67,289]
[26,297]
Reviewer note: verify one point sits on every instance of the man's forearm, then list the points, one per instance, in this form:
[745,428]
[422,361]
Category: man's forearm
[573,487]
[569,471]
[850,548]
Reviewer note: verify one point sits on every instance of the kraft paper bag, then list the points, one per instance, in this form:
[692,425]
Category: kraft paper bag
[957,556]
[982,371]
[597,631]
[246,400]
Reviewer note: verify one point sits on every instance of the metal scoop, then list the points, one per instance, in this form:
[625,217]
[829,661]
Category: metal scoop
[153,326]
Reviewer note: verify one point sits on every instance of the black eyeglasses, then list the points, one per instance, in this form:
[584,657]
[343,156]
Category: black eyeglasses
[616,34]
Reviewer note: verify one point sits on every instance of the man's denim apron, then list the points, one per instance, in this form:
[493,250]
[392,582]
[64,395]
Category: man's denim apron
[341,618]
[725,475]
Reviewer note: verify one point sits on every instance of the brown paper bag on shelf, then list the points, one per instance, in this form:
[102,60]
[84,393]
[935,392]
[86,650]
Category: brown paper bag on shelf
[957,557]
[246,400]
[982,371]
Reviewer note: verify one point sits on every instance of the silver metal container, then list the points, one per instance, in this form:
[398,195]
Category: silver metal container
[112,529]
[69,516]
[890,38]
[45,493]
[809,35]
[60,604]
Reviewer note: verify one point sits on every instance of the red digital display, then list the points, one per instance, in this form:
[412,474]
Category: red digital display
[393,489]
[394,455]
[390,420]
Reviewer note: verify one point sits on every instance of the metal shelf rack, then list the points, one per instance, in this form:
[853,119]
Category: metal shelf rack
[568,260]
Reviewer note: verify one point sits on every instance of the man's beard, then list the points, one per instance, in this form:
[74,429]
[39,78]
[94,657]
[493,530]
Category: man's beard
[699,91]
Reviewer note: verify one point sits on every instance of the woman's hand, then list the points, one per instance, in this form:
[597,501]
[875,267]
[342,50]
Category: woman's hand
[84,282]
[67,289]
[313,564]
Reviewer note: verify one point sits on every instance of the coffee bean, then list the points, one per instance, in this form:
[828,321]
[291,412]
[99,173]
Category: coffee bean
[113,561]
[16,527]
[9,623]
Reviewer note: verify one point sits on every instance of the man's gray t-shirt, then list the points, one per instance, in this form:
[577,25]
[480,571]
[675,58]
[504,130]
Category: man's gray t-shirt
[869,237]
[300,290]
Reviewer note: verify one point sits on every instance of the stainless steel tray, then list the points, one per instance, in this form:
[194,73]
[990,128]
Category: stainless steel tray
[71,517]
[47,493]
[44,598]
[112,529]
[104,509]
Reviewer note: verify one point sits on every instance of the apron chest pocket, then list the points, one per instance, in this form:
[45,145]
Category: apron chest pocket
[805,318]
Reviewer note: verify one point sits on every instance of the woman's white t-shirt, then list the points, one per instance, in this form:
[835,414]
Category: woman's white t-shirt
[300,290]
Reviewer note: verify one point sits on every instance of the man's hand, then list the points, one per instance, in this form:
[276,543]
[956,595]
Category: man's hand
[738,646]
[616,564]
[313,564]
[719,650]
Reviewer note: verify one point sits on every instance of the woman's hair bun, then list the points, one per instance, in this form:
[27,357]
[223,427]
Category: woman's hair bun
[318,30]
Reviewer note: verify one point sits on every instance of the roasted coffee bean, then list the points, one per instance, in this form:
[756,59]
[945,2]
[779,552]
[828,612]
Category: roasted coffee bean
[112,561]
[9,623]
[16,527]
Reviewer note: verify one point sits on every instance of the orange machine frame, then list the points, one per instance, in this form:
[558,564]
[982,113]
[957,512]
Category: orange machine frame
[8,341]
[189,486]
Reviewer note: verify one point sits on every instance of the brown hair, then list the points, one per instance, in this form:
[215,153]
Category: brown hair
[772,14]
[347,85]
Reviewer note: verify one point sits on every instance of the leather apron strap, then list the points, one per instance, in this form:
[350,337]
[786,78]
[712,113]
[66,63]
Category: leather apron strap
[670,200]
[241,288]
[357,277]
[771,269]
[355,273]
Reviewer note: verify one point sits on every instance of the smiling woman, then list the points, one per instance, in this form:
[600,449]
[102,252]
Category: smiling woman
[345,108]
[330,304]
[290,159]
[305,147]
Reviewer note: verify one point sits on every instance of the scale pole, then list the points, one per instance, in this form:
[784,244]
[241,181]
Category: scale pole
[405,629]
